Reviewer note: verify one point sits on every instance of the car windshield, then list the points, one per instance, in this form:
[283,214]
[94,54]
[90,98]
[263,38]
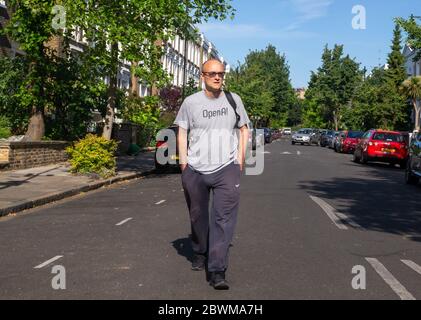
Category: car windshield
[386,136]
[304,132]
[355,134]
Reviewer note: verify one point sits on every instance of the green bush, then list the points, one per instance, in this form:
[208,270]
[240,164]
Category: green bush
[5,131]
[93,154]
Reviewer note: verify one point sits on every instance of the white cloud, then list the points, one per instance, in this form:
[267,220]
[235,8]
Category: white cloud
[249,31]
[308,10]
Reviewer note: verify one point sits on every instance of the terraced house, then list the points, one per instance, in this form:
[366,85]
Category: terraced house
[413,67]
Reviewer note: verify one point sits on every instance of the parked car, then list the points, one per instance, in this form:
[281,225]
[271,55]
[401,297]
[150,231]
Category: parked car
[316,136]
[382,146]
[287,131]
[268,135]
[413,168]
[275,134]
[303,136]
[326,138]
[350,141]
[256,137]
[170,153]
[337,146]
[332,140]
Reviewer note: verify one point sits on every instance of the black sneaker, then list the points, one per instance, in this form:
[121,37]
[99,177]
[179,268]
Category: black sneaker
[217,280]
[198,263]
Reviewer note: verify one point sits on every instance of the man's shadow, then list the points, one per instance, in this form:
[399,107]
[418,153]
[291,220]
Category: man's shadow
[184,248]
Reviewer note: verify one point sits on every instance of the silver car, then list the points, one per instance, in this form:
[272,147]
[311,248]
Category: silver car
[303,136]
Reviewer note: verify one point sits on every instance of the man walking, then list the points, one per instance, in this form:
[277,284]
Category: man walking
[215,124]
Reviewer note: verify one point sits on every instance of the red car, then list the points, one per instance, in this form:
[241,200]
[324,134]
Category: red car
[382,146]
[350,141]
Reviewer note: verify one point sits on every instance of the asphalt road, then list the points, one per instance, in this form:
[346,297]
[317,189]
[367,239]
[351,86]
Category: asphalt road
[304,224]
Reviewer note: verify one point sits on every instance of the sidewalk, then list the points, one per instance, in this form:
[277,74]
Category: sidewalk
[24,189]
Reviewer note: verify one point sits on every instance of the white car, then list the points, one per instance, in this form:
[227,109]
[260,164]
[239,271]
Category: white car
[287,131]
[303,136]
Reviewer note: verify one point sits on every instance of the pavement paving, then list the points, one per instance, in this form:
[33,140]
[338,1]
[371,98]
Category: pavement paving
[25,189]
[131,240]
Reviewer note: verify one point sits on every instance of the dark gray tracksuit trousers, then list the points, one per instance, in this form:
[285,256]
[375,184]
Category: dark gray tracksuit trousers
[213,236]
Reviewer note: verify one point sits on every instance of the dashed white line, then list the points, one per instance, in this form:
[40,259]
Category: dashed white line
[124,221]
[159,202]
[46,263]
[393,283]
[298,153]
[286,152]
[412,265]
[337,217]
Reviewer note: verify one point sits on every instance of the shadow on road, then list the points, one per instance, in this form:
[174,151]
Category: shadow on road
[377,200]
[184,248]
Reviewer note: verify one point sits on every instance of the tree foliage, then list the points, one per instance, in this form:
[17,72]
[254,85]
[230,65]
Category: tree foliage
[263,83]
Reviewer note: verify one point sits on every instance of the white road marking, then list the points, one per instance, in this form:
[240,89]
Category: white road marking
[331,212]
[124,221]
[396,286]
[337,217]
[286,153]
[46,263]
[299,153]
[412,265]
[159,202]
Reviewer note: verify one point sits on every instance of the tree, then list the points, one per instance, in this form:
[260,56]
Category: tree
[412,89]
[414,33]
[334,85]
[12,72]
[396,72]
[30,25]
[133,30]
[254,92]
[263,83]
[273,67]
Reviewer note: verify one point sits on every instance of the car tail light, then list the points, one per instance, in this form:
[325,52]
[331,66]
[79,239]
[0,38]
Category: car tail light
[370,143]
[161,144]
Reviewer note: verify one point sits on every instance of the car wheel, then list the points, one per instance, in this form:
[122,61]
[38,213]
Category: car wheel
[409,177]
[363,158]
[293,143]
[403,164]
[355,158]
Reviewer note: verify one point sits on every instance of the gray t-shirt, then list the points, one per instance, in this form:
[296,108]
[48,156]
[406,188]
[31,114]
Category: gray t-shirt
[213,140]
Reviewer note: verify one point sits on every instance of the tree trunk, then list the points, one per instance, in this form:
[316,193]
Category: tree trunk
[134,82]
[417,110]
[112,92]
[336,121]
[36,127]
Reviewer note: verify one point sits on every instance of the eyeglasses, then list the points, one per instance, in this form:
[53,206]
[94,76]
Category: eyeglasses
[213,74]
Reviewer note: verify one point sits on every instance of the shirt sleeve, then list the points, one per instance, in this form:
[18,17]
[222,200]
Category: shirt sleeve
[241,110]
[182,120]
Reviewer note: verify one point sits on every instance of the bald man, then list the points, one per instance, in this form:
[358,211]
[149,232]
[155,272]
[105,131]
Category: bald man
[215,124]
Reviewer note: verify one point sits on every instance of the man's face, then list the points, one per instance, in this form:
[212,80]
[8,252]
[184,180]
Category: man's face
[213,74]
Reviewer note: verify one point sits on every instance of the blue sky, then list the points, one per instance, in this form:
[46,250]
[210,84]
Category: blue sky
[301,28]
